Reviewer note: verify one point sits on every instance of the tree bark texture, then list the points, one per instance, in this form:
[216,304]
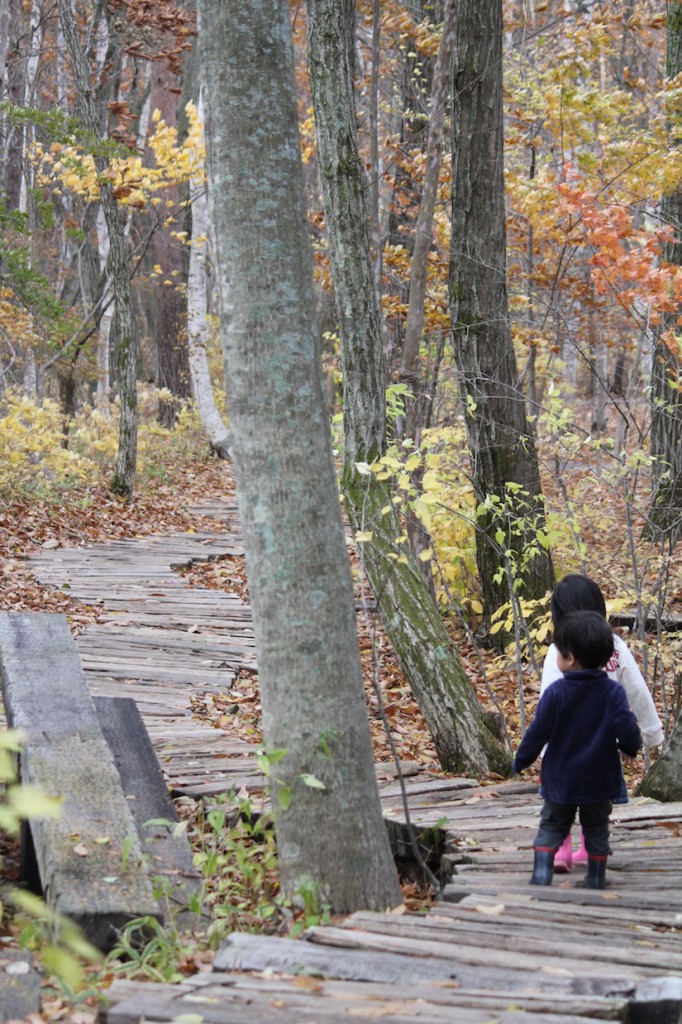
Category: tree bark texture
[364,378]
[15,26]
[419,405]
[410,372]
[92,121]
[418,635]
[427,658]
[415,86]
[299,574]
[172,371]
[663,781]
[500,440]
[666,396]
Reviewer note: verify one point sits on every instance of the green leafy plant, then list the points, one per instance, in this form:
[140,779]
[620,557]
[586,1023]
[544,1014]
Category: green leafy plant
[237,859]
[314,911]
[57,941]
[147,949]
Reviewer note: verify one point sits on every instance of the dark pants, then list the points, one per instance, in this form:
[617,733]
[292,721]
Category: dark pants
[556,821]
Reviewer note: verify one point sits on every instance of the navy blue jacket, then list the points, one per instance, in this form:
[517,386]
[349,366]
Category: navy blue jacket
[585,720]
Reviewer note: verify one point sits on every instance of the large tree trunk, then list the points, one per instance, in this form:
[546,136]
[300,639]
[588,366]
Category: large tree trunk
[427,656]
[420,404]
[415,87]
[410,372]
[666,396]
[500,439]
[299,574]
[663,781]
[92,121]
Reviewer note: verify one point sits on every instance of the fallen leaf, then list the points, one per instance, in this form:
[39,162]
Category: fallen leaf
[376,1011]
[308,984]
[493,910]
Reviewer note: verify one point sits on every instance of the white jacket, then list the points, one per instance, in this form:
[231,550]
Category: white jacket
[623,668]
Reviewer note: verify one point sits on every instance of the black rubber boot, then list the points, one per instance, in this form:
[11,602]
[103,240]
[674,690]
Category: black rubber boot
[543,866]
[596,872]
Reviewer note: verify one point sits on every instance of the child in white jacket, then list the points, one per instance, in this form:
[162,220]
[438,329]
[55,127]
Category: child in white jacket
[580,593]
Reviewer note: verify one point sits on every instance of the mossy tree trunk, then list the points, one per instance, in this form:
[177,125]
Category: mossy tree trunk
[299,573]
[416,630]
[92,117]
[663,781]
[500,439]
[666,396]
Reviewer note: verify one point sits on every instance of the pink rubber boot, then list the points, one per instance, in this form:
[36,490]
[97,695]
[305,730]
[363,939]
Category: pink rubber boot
[580,856]
[563,858]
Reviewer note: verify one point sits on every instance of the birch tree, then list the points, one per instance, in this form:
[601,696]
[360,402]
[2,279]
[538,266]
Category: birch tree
[93,123]
[197,325]
[329,826]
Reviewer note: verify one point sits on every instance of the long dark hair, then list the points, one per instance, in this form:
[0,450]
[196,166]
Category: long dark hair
[576,593]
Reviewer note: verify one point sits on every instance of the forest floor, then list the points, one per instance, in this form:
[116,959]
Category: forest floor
[93,515]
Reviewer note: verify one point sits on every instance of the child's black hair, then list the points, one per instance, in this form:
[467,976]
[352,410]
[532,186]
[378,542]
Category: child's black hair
[576,593]
[587,636]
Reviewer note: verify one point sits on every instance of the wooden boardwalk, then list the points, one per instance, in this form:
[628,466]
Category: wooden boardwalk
[493,950]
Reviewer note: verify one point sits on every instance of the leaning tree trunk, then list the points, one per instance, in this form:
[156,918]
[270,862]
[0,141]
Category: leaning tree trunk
[420,640]
[663,781]
[500,439]
[91,121]
[666,395]
[329,824]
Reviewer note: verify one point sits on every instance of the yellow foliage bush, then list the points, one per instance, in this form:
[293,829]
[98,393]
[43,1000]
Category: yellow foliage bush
[452,516]
[31,444]
[35,461]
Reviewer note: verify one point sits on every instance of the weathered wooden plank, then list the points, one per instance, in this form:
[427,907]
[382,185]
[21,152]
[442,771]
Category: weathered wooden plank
[90,858]
[217,677]
[480,932]
[657,1001]
[520,905]
[447,994]
[239,1001]
[631,901]
[464,952]
[167,848]
[241,952]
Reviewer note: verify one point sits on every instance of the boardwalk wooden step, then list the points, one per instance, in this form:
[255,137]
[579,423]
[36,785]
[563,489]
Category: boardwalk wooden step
[505,952]
[244,999]
[90,858]
[166,847]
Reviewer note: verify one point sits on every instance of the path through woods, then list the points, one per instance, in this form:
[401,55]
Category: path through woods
[494,949]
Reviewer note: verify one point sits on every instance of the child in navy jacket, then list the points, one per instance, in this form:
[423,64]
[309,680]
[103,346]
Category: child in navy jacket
[584,720]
